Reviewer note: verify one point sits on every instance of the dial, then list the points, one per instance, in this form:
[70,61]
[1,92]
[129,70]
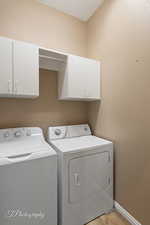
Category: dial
[6,134]
[28,133]
[17,134]
[57,132]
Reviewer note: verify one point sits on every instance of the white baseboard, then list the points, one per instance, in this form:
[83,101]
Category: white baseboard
[126,214]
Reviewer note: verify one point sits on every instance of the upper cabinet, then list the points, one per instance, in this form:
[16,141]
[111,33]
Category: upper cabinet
[79,79]
[19,69]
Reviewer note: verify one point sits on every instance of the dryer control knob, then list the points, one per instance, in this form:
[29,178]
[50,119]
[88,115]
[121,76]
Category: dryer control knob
[57,132]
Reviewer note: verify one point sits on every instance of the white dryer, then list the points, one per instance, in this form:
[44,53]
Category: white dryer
[28,178]
[85,174]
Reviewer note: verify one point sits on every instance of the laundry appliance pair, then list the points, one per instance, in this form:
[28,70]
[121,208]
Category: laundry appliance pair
[66,182]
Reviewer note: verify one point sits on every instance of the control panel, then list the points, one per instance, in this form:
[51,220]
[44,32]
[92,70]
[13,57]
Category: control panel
[14,133]
[61,132]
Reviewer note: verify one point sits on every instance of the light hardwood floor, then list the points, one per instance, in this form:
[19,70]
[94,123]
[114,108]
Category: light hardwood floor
[113,218]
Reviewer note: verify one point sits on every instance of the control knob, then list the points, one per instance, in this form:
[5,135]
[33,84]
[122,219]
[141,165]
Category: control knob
[57,132]
[6,134]
[17,134]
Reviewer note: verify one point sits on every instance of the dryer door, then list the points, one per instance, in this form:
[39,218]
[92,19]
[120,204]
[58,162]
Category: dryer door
[89,176]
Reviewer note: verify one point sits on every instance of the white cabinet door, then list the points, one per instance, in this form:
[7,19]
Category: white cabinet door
[92,79]
[80,79]
[88,176]
[77,74]
[26,69]
[5,67]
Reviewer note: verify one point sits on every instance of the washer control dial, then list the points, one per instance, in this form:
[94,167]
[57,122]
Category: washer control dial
[6,134]
[17,134]
[28,133]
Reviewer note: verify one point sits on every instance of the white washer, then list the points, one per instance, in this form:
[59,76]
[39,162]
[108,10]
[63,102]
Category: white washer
[85,174]
[28,178]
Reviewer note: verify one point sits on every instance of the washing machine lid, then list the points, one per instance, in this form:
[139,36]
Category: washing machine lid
[79,143]
[22,141]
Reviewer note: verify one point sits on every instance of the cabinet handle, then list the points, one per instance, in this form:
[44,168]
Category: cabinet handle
[9,86]
[16,86]
[109,180]
[76,179]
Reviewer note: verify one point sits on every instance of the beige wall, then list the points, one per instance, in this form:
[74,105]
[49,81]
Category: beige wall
[43,111]
[31,21]
[119,36]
